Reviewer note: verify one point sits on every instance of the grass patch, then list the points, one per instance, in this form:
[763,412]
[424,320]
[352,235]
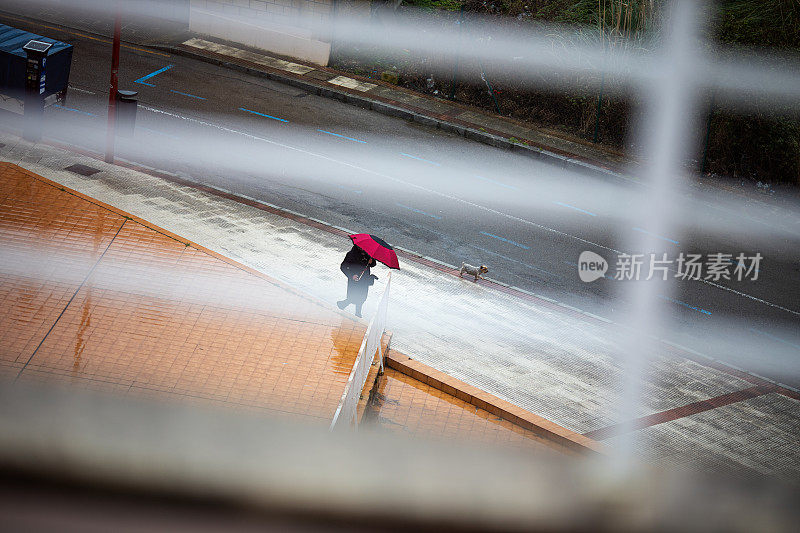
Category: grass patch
[443,5]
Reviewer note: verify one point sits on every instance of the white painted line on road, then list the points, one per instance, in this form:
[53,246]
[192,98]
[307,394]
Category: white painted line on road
[81,90]
[541,297]
[575,208]
[443,195]
[754,298]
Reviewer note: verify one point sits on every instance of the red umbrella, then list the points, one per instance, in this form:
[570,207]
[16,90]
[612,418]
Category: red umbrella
[376,248]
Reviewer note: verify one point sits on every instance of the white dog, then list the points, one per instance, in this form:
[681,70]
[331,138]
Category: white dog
[473,270]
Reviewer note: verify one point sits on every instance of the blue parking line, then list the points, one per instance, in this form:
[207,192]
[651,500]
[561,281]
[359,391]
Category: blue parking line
[640,230]
[263,115]
[667,298]
[418,211]
[342,136]
[495,182]
[156,73]
[773,337]
[74,110]
[577,209]
[420,159]
[506,240]
[187,94]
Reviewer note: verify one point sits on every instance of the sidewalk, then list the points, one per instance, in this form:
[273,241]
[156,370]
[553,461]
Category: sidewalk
[99,299]
[549,360]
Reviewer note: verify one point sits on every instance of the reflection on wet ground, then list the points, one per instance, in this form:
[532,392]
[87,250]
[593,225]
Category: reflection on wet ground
[344,341]
[91,297]
[407,405]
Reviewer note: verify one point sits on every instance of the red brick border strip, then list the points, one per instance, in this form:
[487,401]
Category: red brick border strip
[682,412]
[561,436]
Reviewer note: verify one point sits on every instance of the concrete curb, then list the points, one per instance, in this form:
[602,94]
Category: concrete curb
[550,431]
[394,109]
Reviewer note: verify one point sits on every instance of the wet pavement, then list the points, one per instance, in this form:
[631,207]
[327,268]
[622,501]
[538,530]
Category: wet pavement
[93,298]
[548,359]
[97,299]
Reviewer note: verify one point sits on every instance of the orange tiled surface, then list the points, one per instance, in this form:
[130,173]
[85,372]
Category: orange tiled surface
[406,404]
[90,297]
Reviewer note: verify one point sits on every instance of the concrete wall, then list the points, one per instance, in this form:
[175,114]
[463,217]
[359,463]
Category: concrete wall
[272,25]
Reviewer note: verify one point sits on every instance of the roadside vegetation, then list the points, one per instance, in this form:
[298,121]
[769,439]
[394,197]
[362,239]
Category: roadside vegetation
[762,146]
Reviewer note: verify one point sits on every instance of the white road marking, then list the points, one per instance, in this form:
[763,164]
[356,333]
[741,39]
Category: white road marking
[73,88]
[443,195]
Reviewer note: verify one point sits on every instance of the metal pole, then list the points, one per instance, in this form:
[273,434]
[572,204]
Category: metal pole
[112,93]
[489,86]
[455,67]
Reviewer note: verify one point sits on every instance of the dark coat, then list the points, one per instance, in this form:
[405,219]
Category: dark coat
[357,263]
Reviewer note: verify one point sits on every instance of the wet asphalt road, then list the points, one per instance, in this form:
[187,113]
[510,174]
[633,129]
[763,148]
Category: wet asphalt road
[441,195]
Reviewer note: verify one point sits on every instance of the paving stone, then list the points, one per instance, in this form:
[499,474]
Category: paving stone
[548,362]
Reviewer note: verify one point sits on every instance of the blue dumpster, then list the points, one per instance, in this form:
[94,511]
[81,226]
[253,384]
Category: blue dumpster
[13,62]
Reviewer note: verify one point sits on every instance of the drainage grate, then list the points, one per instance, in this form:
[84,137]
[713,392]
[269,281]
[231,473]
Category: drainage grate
[83,170]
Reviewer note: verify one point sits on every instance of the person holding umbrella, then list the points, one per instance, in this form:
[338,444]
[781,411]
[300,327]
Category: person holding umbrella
[366,249]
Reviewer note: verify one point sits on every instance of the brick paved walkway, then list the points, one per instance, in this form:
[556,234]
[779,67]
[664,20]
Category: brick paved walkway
[547,360]
[91,297]
[98,299]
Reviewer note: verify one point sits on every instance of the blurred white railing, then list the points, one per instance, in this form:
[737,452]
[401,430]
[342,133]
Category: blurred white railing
[346,413]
